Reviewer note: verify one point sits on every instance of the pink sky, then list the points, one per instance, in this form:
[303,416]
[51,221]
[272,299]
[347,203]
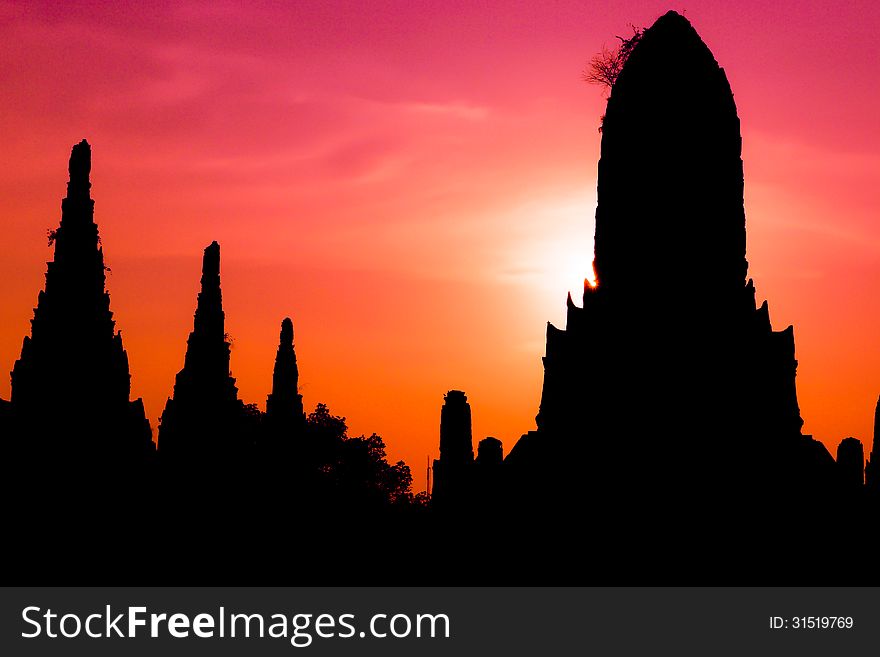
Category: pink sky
[414,184]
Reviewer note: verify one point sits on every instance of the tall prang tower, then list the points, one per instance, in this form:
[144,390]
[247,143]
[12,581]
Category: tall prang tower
[204,423]
[669,392]
[70,408]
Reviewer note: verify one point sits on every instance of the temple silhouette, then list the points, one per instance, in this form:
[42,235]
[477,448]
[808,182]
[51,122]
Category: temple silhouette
[284,406]
[669,406]
[667,448]
[669,388]
[73,369]
[204,426]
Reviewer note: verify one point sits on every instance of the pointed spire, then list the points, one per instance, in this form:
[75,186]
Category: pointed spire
[77,243]
[284,405]
[202,420]
[74,362]
[209,317]
[208,350]
[287,332]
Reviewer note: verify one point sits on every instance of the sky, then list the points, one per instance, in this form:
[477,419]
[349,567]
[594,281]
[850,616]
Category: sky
[414,184]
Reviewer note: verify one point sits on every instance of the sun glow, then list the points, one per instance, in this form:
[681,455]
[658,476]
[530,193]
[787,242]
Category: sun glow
[556,256]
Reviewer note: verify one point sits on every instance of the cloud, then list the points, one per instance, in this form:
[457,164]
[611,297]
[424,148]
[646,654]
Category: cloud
[455,109]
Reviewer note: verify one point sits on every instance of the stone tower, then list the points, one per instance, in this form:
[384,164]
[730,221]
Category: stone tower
[453,470]
[669,389]
[284,406]
[203,421]
[851,463]
[70,403]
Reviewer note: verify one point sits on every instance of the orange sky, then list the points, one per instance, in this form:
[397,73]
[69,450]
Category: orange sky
[414,184]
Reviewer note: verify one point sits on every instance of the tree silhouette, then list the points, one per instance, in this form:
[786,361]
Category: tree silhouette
[362,469]
[606,65]
[323,424]
[356,469]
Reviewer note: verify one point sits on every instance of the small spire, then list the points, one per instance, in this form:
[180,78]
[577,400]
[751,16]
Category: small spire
[209,318]
[286,332]
[284,405]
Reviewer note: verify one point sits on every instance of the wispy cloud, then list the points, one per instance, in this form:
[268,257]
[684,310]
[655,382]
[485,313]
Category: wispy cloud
[454,109]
